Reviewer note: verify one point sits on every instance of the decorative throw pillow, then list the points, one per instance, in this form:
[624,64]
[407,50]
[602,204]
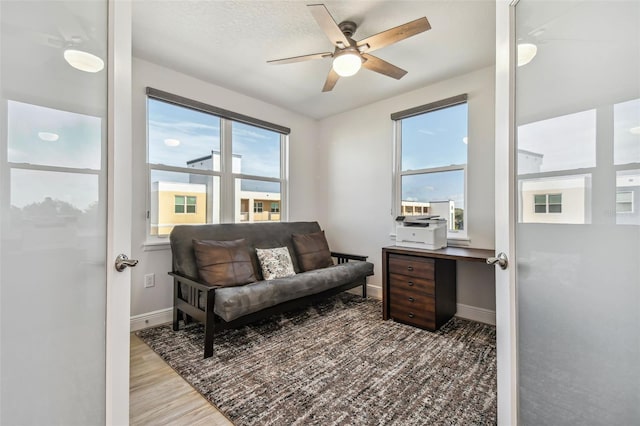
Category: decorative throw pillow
[275,263]
[225,263]
[312,250]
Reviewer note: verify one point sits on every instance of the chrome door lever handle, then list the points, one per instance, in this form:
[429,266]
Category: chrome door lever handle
[501,260]
[122,261]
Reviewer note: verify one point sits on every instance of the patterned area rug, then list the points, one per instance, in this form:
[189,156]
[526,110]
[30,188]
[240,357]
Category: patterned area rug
[338,363]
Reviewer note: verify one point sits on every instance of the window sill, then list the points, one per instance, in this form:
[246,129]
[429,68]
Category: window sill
[451,242]
[156,245]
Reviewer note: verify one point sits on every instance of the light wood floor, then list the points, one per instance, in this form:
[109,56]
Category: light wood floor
[159,396]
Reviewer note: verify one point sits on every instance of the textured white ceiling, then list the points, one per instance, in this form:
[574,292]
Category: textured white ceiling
[228,43]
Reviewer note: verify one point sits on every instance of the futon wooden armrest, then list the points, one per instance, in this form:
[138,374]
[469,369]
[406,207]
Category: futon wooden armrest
[196,284]
[345,257]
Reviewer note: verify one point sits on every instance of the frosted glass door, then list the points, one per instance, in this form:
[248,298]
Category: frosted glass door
[578,224]
[53,213]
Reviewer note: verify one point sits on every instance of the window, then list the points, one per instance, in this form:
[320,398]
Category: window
[431,162]
[55,162]
[624,202]
[207,164]
[547,203]
[185,204]
[275,207]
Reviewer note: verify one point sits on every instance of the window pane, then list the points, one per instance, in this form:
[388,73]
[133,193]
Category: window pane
[560,143]
[55,199]
[435,139]
[255,151]
[555,198]
[567,199]
[191,200]
[540,199]
[439,193]
[623,197]
[627,191]
[626,132]
[168,209]
[51,137]
[251,197]
[183,137]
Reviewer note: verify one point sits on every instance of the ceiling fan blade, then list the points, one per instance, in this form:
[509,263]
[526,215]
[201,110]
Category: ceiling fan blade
[381,66]
[328,25]
[301,58]
[332,79]
[394,35]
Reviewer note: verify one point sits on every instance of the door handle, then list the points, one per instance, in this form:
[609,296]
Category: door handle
[501,260]
[122,261]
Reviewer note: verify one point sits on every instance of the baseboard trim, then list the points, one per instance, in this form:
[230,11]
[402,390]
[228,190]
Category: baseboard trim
[372,291]
[473,313]
[151,319]
[164,316]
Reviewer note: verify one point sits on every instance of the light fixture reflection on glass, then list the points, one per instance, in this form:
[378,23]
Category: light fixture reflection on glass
[347,63]
[83,61]
[635,130]
[465,140]
[48,136]
[171,142]
[526,52]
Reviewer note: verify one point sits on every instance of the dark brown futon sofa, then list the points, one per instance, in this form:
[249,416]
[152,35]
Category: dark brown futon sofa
[228,275]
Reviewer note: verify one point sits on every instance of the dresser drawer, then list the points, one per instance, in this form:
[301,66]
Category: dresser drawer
[412,266]
[411,313]
[413,302]
[413,308]
[413,284]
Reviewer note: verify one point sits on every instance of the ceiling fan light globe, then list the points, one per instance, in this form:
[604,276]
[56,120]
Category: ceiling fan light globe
[526,52]
[83,61]
[347,64]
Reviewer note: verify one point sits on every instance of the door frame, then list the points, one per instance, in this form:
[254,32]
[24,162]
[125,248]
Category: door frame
[505,215]
[119,197]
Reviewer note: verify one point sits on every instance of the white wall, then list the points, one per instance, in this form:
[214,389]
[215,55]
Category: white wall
[304,172]
[358,159]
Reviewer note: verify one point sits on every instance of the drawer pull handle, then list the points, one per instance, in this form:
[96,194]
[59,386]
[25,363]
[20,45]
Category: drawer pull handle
[411,299]
[409,268]
[410,283]
[411,315]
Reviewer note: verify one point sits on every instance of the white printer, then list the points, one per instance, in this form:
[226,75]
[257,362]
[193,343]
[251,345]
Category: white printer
[421,231]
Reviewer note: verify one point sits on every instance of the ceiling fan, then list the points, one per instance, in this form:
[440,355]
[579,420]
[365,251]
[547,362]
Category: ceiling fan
[349,55]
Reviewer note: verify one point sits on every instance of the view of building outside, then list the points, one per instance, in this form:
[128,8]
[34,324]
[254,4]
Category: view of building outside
[442,209]
[187,171]
[553,185]
[174,203]
[433,164]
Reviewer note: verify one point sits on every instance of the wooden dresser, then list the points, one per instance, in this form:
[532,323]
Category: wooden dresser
[419,286]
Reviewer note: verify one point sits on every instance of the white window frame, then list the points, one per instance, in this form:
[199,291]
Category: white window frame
[547,203]
[632,202]
[185,204]
[227,177]
[398,174]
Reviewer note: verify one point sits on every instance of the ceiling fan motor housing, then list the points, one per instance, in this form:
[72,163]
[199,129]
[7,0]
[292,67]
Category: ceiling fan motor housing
[348,28]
